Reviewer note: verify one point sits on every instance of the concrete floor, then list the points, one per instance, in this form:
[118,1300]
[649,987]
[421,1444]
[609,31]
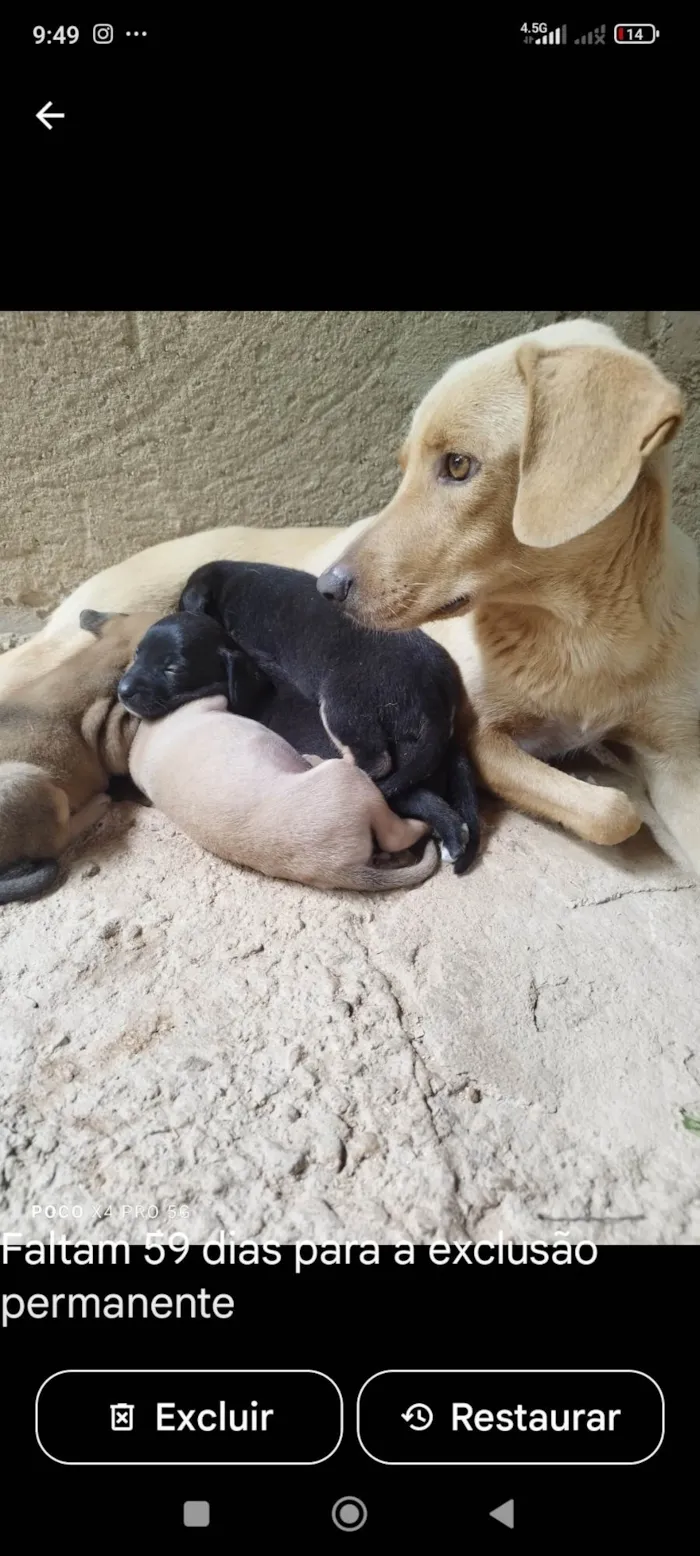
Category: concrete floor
[510,1052]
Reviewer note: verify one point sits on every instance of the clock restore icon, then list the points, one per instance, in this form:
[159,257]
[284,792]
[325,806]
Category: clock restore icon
[418,1417]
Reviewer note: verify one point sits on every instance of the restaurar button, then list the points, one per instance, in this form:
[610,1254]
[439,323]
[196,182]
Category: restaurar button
[523,1417]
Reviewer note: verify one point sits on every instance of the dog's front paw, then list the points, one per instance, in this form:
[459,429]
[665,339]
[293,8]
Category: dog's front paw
[610,817]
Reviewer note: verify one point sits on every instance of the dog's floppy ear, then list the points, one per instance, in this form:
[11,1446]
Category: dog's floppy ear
[245,681]
[593,417]
[199,596]
[229,657]
[94,621]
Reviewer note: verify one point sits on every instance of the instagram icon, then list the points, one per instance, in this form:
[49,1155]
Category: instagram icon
[102,32]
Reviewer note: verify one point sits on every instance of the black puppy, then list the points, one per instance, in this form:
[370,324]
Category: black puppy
[446,800]
[388,697]
[184,657]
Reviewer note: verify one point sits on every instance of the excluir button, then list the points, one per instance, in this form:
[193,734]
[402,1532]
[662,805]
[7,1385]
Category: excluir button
[189,1417]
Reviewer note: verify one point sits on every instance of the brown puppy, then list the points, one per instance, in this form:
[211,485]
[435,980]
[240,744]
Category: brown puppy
[549,532]
[244,794]
[59,744]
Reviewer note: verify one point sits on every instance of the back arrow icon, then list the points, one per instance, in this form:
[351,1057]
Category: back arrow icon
[45,116]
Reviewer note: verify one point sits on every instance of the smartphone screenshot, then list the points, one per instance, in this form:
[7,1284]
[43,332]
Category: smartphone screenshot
[349,781]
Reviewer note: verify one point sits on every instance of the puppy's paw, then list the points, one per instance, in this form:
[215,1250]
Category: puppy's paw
[416,829]
[610,818]
[96,810]
[452,853]
[468,853]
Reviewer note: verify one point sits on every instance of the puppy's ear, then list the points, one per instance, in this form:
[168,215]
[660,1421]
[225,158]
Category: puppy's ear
[593,417]
[228,657]
[94,621]
[245,682]
[199,598]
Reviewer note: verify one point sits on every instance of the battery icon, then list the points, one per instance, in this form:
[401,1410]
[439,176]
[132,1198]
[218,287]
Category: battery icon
[635,32]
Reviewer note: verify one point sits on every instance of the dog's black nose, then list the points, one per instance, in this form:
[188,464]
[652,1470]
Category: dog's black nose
[335,584]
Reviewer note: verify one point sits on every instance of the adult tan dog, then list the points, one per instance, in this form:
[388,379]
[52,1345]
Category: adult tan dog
[535,498]
[244,794]
[531,533]
[60,740]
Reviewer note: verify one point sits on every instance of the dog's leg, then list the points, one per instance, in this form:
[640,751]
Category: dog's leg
[415,762]
[673,785]
[461,795]
[393,833]
[90,813]
[597,814]
[453,833]
[371,754]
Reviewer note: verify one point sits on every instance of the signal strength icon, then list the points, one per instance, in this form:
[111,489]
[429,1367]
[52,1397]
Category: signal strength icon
[596,36]
[558,36]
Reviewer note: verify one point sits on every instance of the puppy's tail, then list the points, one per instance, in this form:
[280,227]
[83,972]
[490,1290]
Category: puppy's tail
[375,877]
[27,878]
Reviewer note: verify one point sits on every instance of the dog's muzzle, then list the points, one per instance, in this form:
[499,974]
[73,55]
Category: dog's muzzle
[336,584]
[143,705]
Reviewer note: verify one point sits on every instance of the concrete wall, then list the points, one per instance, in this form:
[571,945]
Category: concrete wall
[122,429]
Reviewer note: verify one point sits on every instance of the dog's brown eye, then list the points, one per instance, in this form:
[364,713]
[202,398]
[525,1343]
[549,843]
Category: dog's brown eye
[457,466]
